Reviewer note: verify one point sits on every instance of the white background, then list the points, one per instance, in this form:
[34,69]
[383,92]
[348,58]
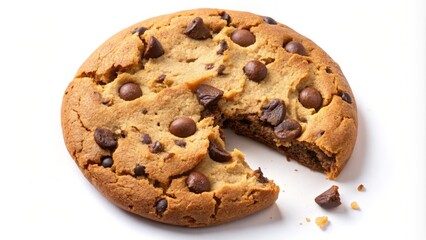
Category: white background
[380,45]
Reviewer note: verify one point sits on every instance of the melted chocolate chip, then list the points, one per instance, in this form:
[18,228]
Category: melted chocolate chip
[107,162]
[146,139]
[223,47]
[330,198]
[255,71]
[197,29]
[156,147]
[161,206]
[287,130]
[243,37]
[198,182]
[310,98]
[105,138]
[208,95]
[139,31]
[221,69]
[226,17]
[295,47]
[261,178]
[139,170]
[217,153]
[346,97]
[183,127]
[180,143]
[273,112]
[269,20]
[161,78]
[130,91]
[209,66]
[154,48]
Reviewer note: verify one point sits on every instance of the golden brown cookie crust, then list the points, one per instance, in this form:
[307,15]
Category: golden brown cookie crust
[92,101]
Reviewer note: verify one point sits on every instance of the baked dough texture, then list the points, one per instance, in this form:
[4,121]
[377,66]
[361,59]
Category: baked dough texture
[142,117]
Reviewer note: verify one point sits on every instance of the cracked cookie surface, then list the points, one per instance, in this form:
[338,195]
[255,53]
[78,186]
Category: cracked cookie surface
[142,116]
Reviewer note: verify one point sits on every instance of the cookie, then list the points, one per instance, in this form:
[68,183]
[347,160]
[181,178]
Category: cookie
[143,116]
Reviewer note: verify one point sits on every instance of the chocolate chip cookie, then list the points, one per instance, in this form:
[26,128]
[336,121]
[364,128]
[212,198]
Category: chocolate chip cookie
[143,116]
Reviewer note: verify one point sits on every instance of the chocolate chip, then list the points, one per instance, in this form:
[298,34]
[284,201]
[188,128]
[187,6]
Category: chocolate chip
[209,66]
[154,48]
[288,129]
[146,139]
[261,178]
[208,95]
[243,37]
[255,71]
[139,31]
[273,112]
[346,97]
[105,138]
[269,20]
[161,78]
[156,147]
[197,29]
[328,70]
[144,111]
[223,47]
[107,162]
[330,198]
[226,17]
[180,143]
[130,91]
[161,206]
[221,69]
[198,182]
[310,98]
[139,170]
[183,127]
[295,47]
[217,153]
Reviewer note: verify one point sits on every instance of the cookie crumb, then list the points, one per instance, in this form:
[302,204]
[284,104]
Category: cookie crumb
[308,219]
[361,188]
[354,205]
[322,222]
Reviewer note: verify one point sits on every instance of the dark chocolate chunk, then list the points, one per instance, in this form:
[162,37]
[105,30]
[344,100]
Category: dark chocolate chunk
[154,48]
[208,95]
[161,206]
[295,47]
[226,17]
[107,162]
[223,47]
[156,147]
[105,138]
[140,30]
[330,198]
[255,70]
[310,98]
[130,91]
[161,78]
[269,20]
[198,182]
[209,66]
[221,69]
[243,37]
[139,170]
[146,139]
[197,29]
[261,178]
[346,97]
[217,153]
[273,112]
[180,143]
[288,129]
[183,127]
